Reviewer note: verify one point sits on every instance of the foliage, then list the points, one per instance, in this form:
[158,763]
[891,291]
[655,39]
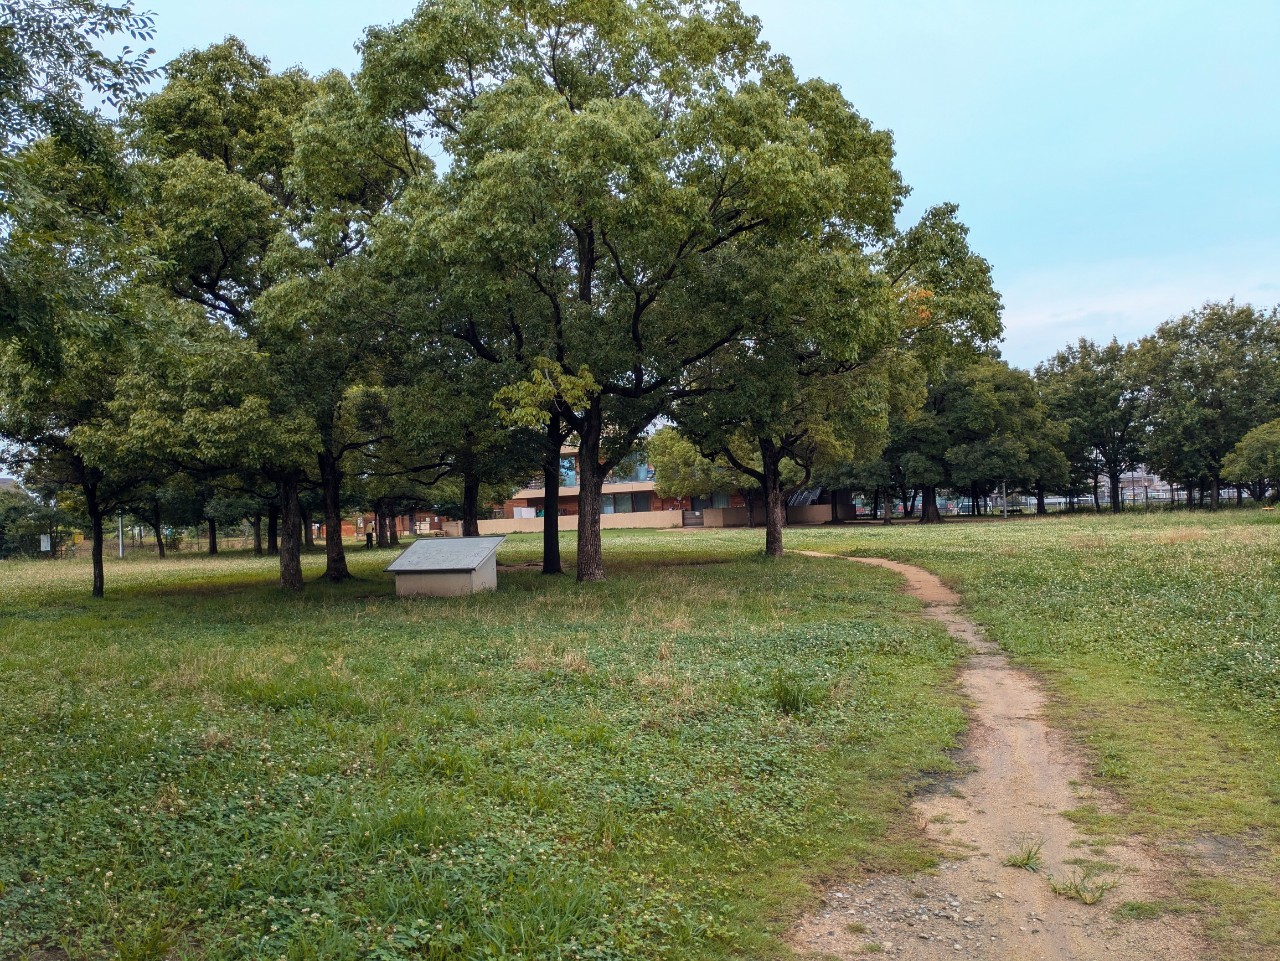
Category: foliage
[1095,391]
[680,471]
[1210,377]
[1256,458]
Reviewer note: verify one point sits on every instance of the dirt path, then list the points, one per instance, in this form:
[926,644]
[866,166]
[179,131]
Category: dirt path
[1022,777]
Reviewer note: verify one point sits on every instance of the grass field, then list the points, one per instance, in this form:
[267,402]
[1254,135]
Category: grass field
[652,767]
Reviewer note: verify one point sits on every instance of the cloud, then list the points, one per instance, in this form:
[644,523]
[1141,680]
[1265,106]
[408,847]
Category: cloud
[1048,308]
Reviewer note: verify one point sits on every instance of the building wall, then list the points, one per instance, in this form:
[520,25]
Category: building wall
[643,520]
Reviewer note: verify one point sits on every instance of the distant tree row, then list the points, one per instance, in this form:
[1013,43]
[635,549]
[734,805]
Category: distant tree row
[259,296]
[1194,402]
[512,229]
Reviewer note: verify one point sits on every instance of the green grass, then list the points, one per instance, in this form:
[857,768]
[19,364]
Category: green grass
[654,767]
[1159,636]
[1028,856]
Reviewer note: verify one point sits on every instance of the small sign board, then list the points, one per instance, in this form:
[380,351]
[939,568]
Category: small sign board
[447,567]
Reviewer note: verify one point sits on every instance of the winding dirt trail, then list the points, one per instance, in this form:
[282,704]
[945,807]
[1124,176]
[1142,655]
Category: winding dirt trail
[1022,777]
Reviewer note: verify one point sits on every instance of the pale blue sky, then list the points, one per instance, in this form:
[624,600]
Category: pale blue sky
[1117,162]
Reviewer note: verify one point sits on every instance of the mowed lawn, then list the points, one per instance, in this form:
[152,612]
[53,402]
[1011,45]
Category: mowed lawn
[658,766]
[1160,638]
[654,767]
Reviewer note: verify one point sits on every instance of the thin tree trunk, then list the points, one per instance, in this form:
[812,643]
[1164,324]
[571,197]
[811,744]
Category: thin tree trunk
[290,536]
[380,524]
[335,555]
[1215,493]
[308,534]
[887,505]
[1041,507]
[273,530]
[159,529]
[95,518]
[551,499]
[256,524]
[1116,506]
[470,505]
[590,497]
[393,528]
[1097,501]
[213,537]
[929,513]
[775,504]
[835,508]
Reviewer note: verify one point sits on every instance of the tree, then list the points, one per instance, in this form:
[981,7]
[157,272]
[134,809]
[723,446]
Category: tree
[680,469]
[1095,392]
[1255,461]
[57,387]
[49,53]
[999,433]
[1210,376]
[602,156]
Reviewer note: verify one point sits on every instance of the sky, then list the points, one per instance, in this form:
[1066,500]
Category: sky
[1118,163]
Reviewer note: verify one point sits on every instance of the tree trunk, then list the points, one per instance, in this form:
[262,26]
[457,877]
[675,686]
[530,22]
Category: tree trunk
[590,493]
[1239,495]
[1041,507]
[875,504]
[159,529]
[887,505]
[95,518]
[1116,505]
[775,505]
[835,508]
[273,530]
[213,537]
[470,505]
[1097,501]
[256,524]
[335,556]
[1215,493]
[393,528]
[308,534]
[290,535]
[380,524]
[551,499]
[929,513]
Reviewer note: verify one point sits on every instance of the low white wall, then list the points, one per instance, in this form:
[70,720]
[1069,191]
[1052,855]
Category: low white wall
[649,520]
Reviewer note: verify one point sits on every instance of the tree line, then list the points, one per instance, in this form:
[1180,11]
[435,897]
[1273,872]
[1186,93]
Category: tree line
[268,294]
[1195,402]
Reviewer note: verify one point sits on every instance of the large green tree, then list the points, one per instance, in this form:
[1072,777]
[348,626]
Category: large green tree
[1210,376]
[1095,391]
[1255,461]
[602,157]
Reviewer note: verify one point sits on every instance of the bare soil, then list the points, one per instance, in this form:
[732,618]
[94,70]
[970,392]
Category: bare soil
[1023,777]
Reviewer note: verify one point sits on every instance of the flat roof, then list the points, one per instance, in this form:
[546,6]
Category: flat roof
[445,555]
